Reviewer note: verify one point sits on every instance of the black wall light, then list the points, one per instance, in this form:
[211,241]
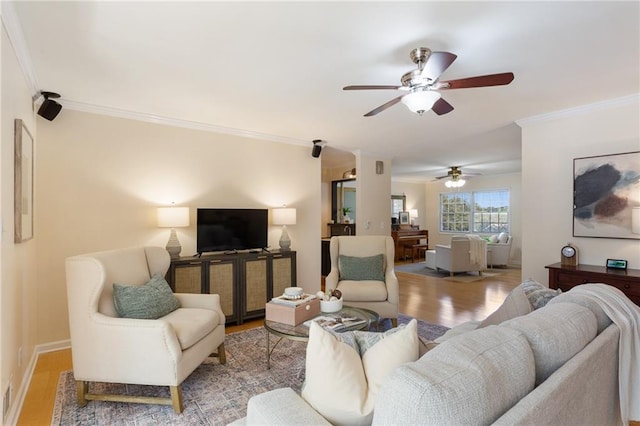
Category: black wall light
[317,148]
[49,108]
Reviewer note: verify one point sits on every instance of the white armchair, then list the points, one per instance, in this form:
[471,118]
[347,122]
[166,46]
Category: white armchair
[161,352]
[459,256]
[499,252]
[376,295]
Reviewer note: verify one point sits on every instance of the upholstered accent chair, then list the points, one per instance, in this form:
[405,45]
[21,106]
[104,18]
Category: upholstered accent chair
[499,250]
[462,255]
[362,269]
[109,348]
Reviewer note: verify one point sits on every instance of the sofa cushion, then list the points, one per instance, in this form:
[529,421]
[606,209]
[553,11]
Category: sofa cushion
[515,305]
[601,318]
[361,268]
[555,333]
[341,384]
[192,324]
[469,379]
[363,291]
[149,301]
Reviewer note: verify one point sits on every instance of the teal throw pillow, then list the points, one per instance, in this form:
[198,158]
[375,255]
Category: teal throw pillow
[149,301]
[362,268]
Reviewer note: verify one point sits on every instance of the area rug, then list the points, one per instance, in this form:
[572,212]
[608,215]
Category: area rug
[420,268]
[213,394]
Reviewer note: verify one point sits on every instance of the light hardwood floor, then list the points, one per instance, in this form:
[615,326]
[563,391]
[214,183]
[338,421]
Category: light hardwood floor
[431,299]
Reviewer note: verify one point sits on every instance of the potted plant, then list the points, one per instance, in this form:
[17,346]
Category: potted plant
[345,214]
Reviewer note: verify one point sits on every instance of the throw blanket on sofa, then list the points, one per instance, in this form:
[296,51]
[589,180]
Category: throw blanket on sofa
[626,315]
[478,251]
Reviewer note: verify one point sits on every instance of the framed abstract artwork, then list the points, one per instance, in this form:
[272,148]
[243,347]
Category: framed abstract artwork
[23,183]
[606,196]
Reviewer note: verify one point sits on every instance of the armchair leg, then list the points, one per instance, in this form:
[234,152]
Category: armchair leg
[82,388]
[222,356]
[394,322]
[176,398]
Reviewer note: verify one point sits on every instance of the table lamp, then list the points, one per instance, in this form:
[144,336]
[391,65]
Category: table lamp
[173,217]
[284,217]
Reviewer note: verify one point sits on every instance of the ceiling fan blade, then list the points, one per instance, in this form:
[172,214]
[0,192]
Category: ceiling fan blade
[480,81]
[372,88]
[437,63]
[442,107]
[382,107]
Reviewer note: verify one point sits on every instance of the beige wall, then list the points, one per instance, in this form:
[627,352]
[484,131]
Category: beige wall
[373,196]
[18,286]
[416,199]
[549,145]
[101,178]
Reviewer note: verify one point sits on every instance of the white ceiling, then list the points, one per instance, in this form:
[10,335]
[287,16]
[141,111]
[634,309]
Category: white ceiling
[275,70]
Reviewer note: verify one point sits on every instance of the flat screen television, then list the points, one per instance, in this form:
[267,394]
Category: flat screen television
[231,229]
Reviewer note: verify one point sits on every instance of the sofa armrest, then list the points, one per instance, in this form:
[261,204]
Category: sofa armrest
[281,407]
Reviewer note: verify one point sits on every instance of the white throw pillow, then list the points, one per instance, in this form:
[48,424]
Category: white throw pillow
[341,385]
[503,237]
[493,239]
[515,305]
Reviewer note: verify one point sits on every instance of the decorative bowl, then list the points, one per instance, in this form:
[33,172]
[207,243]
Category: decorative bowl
[330,305]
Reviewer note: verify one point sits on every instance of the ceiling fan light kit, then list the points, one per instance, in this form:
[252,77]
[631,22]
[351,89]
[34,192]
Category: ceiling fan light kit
[457,183]
[420,100]
[424,82]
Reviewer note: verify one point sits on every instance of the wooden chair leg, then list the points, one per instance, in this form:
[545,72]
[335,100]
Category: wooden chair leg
[82,388]
[222,356]
[176,398]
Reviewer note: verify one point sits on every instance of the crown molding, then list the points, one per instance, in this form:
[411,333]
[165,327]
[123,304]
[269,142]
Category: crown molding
[193,125]
[16,36]
[580,110]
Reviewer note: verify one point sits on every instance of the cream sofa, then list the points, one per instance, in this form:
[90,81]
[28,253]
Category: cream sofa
[557,365]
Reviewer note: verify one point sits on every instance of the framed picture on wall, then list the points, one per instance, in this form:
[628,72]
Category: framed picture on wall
[403,218]
[23,182]
[606,196]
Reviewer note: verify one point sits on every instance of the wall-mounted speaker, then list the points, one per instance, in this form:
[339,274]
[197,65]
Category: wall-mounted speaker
[317,148]
[49,108]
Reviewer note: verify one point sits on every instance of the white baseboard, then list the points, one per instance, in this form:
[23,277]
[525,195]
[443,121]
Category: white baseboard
[16,408]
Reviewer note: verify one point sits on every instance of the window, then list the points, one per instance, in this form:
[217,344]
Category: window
[483,212]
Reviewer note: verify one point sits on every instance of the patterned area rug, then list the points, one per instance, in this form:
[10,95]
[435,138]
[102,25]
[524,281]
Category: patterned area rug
[420,268]
[213,394]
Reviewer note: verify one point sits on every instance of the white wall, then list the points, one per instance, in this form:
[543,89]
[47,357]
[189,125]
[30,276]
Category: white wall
[18,281]
[373,196]
[101,179]
[549,145]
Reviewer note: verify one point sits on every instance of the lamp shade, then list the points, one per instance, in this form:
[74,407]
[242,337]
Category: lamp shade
[421,100]
[173,217]
[635,220]
[284,216]
[413,213]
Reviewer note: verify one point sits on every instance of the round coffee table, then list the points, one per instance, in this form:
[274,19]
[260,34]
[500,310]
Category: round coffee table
[301,332]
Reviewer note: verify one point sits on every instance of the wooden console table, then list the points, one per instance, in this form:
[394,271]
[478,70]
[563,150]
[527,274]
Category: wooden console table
[566,277]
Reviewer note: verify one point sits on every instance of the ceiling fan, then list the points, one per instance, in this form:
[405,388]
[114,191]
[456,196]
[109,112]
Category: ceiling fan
[423,83]
[455,177]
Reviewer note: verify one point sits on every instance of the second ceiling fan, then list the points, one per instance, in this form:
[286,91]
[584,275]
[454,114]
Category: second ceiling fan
[423,84]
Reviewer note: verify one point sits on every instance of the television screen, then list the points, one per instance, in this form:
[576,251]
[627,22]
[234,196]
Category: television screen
[231,229]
